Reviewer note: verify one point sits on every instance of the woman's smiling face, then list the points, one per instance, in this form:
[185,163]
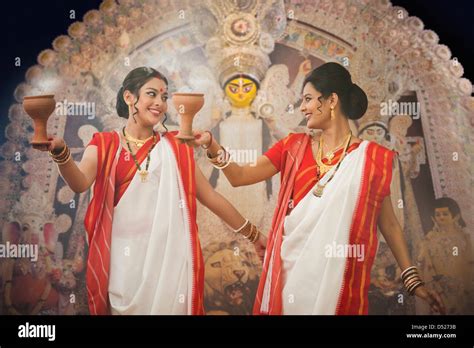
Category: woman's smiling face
[317,113]
[152,102]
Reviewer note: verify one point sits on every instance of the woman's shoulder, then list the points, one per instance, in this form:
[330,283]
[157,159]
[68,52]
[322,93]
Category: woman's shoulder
[293,138]
[103,137]
[378,147]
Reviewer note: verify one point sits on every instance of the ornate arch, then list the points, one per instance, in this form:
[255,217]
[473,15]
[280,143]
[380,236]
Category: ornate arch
[387,51]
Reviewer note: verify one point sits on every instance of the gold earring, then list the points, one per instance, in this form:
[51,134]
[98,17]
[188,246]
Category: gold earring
[332,113]
[130,112]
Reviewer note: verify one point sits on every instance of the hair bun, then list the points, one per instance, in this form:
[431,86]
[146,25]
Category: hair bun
[358,102]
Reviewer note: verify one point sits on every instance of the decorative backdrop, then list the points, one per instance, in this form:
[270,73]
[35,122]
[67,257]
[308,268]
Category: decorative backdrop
[196,45]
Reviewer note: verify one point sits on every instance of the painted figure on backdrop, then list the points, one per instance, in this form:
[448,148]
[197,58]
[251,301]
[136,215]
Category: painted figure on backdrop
[446,259]
[43,282]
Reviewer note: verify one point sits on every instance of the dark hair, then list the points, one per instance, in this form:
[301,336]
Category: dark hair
[334,78]
[134,80]
[452,205]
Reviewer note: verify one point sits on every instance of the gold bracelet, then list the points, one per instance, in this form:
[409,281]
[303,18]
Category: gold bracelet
[407,269]
[221,167]
[247,230]
[242,227]
[410,273]
[410,280]
[414,282]
[412,289]
[215,160]
[254,238]
[411,277]
[63,156]
[63,161]
[61,153]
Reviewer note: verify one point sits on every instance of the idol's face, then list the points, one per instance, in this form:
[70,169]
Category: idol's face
[241,92]
[443,217]
[373,133]
[152,102]
[316,112]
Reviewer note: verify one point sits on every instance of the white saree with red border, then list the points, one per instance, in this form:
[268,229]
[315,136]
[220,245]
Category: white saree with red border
[319,257]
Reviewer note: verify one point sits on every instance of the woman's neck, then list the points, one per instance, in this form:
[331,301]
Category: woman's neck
[335,134]
[138,131]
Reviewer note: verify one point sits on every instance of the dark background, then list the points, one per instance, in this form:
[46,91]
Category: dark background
[31,26]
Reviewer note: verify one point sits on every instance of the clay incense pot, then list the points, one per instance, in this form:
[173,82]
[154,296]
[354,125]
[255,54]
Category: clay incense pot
[39,108]
[187,105]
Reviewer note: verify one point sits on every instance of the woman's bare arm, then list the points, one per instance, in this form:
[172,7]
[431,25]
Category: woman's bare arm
[220,206]
[248,174]
[79,177]
[393,234]
[216,203]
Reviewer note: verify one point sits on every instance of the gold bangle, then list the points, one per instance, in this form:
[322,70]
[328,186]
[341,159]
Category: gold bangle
[255,236]
[215,160]
[411,291]
[246,231]
[63,161]
[221,167]
[410,273]
[407,269]
[64,154]
[242,227]
[412,284]
[52,154]
[410,277]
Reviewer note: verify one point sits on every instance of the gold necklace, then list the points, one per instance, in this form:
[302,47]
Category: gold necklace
[330,154]
[319,188]
[138,142]
[324,168]
[143,172]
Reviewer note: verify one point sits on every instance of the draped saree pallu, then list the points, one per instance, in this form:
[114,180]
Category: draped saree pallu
[136,272]
[304,271]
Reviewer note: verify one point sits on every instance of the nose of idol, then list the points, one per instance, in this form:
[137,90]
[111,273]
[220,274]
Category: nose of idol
[241,92]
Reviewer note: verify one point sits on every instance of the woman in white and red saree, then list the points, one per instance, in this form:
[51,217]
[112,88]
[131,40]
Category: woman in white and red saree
[334,193]
[144,251]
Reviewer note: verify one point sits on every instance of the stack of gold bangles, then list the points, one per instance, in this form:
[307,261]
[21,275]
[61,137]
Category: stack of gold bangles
[63,157]
[411,279]
[249,231]
[221,160]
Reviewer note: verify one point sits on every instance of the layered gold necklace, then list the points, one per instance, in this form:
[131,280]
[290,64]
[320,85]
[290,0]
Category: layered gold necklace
[143,172]
[138,142]
[330,154]
[324,168]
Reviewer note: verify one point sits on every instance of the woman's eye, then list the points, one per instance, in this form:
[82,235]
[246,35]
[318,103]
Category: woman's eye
[247,89]
[164,98]
[307,99]
[152,94]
